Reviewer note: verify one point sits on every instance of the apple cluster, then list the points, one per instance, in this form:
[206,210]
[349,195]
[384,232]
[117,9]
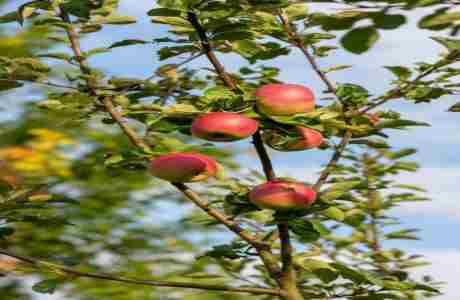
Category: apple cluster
[271,100]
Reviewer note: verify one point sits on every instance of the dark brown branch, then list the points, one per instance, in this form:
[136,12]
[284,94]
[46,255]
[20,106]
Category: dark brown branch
[207,48]
[137,281]
[263,156]
[297,41]
[270,262]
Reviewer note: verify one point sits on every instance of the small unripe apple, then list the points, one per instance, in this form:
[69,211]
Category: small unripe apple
[284,99]
[308,139]
[183,167]
[282,195]
[223,126]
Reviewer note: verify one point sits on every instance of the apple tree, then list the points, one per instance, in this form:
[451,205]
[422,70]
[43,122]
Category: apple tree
[111,185]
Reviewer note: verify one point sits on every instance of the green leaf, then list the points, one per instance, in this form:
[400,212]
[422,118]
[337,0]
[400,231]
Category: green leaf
[343,186]
[78,8]
[401,153]
[450,44]
[401,72]
[455,107]
[232,35]
[348,273]
[165,12]
[118,20]
[6,231]
[409,187]
[400,123]
[387,21]
[9,84]
[297,11]
[46,286]
[304,230]
[56,55]
[95,51]
[333,213]
[405,234]
[360,39]
[427,288]
[9,17]
[439,19]
[127,42]
[322,269]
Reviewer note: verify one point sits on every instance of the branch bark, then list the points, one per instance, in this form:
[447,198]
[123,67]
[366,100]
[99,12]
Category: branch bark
[333,161]
[136,281]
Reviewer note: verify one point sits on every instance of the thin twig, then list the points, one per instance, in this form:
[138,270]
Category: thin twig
[398,92]
[137,281]
[297,41]
[333,161]
[223,219]
[206,45]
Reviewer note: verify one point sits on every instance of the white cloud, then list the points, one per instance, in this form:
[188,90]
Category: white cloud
[441,184]
[444,267]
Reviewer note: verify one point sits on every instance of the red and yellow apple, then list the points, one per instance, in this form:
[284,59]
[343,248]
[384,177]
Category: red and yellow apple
[284,99]
[307,139]
[183,167]
[223,126]
[282,195]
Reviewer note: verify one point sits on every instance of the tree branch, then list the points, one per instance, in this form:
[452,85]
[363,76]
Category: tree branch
[263,156]
[263,250]
[137,281]
[398,92]
[223,219]
[297,41]
[333,161]
[267,257]
[207,48]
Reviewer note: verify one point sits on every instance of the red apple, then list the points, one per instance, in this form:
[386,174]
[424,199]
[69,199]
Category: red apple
[284,99]
[183,167]
[223,126]
[282,195]
[308,139]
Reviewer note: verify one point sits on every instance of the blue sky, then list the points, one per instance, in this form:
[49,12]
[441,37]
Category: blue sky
[438,144]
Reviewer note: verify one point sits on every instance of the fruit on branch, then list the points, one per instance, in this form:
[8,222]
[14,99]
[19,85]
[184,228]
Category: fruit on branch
[284,99]
[306,138]
[183,167]
[282,195]
[223,126]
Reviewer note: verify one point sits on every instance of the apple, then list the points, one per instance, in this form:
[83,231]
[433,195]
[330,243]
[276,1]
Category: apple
[308,139]
[183,167]
[284,99]
[223,126]
[282,195]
